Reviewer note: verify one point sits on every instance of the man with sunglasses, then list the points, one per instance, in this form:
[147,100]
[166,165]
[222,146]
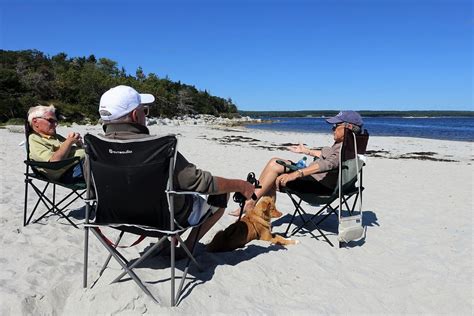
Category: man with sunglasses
[46,145]
[313,178]
[123,112]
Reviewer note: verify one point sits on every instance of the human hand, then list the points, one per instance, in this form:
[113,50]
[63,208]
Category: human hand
[283,179]
[74,138]
[298,149]
[247,190]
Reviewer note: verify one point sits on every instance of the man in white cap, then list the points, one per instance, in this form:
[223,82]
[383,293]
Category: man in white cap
[313,178]
[124,112]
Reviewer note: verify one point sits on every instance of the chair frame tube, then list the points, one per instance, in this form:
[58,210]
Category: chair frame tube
[173,234]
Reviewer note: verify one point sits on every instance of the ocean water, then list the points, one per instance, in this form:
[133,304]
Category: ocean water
[447,128]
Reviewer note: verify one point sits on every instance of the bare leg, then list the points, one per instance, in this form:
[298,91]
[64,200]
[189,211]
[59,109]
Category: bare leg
[204,227]
[267,180]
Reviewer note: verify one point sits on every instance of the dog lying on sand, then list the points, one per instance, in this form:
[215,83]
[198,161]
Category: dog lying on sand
[255,224]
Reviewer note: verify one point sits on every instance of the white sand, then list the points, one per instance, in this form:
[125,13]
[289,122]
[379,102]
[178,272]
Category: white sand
[416,259]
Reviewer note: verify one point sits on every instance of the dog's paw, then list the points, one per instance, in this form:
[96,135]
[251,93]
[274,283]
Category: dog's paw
[292,241]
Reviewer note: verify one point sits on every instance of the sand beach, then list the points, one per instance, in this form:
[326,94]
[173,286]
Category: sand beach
[417,257]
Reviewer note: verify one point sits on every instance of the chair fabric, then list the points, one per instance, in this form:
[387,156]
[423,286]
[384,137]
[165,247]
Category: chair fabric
[349,186]
[42,185]
[131,189]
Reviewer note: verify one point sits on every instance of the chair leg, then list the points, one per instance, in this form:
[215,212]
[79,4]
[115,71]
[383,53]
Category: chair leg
[86,252]
[45,200]
[289,224]
[106,263]
[188,252]
[190,258]
[128,268]
[351,210]
[41,198]
[321,233]
[25,208]
[51,205]
[297,207]
[54,196]
[59,211]
[130,272]
[301,212]
[137,262]
[54,207]
[172,277]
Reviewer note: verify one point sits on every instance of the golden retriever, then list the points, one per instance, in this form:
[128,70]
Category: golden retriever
[255,224]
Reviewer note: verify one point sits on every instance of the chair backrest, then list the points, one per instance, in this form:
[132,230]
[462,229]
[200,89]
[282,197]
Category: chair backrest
[28,131]
[349,145]
[350,162]
[36,171]
[130,179]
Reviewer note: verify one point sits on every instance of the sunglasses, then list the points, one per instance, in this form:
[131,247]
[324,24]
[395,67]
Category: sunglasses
[50,120]
[146,110]
[334,126]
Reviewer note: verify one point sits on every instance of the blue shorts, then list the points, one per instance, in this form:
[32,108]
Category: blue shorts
[73,174]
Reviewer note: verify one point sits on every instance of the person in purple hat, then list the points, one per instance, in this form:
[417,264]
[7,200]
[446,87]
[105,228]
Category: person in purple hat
[314,178]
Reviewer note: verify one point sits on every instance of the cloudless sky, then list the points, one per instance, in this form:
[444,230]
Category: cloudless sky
[271,55]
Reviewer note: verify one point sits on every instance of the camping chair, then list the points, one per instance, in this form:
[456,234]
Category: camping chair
[34,178]
[351,162]
[131,184]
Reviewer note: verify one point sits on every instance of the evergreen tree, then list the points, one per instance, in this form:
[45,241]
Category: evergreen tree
[74,85]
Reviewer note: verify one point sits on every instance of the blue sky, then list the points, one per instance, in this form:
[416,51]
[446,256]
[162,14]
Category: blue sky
[271,55]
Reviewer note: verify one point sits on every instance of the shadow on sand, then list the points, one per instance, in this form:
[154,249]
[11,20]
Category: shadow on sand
[210,261]
[328,226]
[207,261]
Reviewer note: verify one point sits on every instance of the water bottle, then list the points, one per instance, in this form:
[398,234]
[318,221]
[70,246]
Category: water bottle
[301,163]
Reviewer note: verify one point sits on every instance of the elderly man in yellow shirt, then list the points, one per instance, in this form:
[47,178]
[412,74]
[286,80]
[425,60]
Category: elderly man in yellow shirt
[46,145]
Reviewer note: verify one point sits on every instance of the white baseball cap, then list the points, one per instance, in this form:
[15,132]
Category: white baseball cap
[120,101]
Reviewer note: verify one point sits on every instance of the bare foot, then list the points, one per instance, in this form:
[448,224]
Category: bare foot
[248,205]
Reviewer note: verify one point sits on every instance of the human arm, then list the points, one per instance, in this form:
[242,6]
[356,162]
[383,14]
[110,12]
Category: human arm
[189,177]
[302,149]
[225,185]
[329,161]
[284,178]
[63,150]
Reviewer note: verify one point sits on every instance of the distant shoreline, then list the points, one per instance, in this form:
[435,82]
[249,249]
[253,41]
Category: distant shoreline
[447,128]
[327,113]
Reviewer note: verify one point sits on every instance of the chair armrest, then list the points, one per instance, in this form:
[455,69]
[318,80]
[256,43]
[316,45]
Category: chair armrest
[183,192]
[294,168]
[289,166]
[55,165]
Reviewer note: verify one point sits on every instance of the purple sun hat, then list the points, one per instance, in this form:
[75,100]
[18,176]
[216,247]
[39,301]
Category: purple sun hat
[346,117]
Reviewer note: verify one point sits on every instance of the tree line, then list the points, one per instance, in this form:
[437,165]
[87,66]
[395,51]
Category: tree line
[74,85]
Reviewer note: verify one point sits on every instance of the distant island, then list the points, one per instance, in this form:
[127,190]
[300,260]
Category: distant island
[327,113]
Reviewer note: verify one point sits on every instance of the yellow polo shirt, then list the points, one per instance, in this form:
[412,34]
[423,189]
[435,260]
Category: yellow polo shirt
[42,148]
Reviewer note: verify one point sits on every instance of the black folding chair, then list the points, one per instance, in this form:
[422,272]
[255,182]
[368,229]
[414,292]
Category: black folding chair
[131,185]
[40,182]
[349,180]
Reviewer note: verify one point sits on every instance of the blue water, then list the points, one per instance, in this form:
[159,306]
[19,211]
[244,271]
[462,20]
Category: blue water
[449,128]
